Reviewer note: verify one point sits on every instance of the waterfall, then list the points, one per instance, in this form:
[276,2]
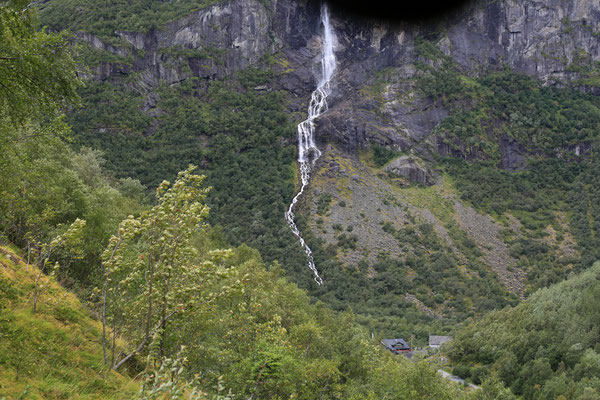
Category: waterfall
[308,153]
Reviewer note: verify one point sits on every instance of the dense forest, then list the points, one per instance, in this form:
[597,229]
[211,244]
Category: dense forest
[544,348]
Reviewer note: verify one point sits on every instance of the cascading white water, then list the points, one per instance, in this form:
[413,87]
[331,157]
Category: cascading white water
[308,153]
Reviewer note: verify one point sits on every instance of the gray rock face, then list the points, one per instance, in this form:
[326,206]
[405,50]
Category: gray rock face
[539,38]
[217,41]
[409,168]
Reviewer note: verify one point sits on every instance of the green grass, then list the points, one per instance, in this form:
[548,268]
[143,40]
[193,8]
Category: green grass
[56,352]
[434,198]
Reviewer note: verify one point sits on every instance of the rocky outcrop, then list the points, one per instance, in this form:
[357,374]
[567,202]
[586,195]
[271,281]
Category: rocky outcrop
[540,38]
[409,168]
[218,41]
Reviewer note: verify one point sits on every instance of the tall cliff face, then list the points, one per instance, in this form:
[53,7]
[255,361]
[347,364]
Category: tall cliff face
[554,41]
[211,43]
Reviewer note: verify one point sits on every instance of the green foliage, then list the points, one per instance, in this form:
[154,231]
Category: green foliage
[462,370]
[323,203]
[168,381]
[506,105]
[38,189]
[44,184]
[229,131]
[546,344]
[93,57]
[110,116]
[158,274]
[427,50]
[347,241]
[270,341]
[70,239]
[105,18]
[252,76]
[382,155]
[8,292]
[547,123]
[37,72]
[536,196]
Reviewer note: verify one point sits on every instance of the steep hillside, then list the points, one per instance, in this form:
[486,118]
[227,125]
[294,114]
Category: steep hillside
[458,168]
[182,311]
[546,347]
[54,353]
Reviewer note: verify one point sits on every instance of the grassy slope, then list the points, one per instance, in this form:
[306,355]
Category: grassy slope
[57,350]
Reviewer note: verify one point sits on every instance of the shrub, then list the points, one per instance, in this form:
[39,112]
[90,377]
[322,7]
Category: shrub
[463,371]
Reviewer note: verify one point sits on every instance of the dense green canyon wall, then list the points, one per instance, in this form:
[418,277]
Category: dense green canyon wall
[405,232]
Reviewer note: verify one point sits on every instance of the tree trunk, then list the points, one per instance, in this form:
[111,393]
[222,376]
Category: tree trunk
[141,346]
[104,293]
[28,255]
[35,287]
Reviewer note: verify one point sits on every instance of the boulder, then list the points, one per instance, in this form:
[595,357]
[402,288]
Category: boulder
[410,167]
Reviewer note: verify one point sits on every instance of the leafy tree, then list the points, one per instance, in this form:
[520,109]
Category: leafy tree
[155,268]
[168,381]
[37,72]
[543,348]
[71,237]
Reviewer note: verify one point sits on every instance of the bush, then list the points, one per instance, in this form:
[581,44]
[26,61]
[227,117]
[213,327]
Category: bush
[463,371]
[478,374]
[323,203]
[382,155]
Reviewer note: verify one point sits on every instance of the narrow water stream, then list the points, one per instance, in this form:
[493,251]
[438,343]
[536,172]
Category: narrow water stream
[308,153]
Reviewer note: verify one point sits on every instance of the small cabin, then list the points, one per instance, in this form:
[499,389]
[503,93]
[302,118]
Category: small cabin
[436,341]
[396,345]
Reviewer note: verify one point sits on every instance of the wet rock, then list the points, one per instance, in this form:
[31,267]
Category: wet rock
[513,155]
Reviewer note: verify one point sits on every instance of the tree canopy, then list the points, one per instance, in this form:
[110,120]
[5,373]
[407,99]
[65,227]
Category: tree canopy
[37,72]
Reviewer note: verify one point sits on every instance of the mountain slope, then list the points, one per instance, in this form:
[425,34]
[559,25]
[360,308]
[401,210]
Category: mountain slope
[54,353]
[460,104]
[545,347]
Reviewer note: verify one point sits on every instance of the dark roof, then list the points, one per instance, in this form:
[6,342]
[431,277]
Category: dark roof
[395,344]
[438,340]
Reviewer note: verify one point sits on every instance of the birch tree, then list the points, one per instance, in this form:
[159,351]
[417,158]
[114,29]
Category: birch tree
[70,238]
[37,71]
[154,276]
